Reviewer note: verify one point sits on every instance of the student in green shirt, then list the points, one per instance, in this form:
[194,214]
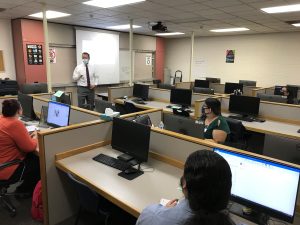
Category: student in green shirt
[216,127]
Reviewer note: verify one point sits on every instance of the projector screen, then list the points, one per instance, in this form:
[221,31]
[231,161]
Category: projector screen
[103,48]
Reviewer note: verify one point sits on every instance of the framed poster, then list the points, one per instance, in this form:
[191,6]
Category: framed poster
[2,68]
[34,54]
[230,56]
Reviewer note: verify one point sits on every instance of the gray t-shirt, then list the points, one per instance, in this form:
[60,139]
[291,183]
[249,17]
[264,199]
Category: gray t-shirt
[161,215]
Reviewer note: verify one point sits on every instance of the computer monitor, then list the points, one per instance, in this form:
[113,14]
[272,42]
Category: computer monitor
[231,87]
[213,80]
[131,138]
[278,90]
[244,105]
[201,83]
[181,97]
[266,186]
[183,125]
[58,114]
[141,91]
[250,83]
[26,102]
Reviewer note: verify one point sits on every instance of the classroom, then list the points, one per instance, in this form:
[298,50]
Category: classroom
[104,104]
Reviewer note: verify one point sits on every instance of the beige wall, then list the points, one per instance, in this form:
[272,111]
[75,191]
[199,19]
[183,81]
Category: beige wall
[268,58]
[6,44]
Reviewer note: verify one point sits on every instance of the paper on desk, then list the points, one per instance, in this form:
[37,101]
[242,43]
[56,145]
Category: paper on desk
[31,128]
[58,94]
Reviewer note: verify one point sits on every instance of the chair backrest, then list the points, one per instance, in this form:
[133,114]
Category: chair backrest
[237,130]
[165,86]
[34,88]
[101,105]
[272,98]
[130,108]
[203,90]
[87,197]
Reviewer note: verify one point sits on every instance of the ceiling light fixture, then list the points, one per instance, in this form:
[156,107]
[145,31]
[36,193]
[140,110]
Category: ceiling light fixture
[236,29]
[282,9]
[50,14]
[296,24]
[169,34]
[111,3]
[123,27]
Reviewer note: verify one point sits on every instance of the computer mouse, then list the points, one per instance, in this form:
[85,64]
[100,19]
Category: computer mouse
[298,131]
[130,171]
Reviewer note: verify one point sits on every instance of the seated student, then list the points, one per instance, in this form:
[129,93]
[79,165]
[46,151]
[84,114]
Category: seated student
[216,127]
[206,185]
[290,97]
[16,143]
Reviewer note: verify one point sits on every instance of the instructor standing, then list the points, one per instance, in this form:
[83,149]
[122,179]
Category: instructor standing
[86,79]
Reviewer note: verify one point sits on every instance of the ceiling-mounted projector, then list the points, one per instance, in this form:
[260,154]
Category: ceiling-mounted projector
[159,27]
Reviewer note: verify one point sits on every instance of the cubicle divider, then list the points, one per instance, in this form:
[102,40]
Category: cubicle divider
[119,92]
[184,85]
[258,90]
[158,94]
[281,112]
[58,204]
[218,88]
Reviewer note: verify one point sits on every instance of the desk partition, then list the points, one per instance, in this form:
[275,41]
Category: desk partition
[184,85]
[119,92]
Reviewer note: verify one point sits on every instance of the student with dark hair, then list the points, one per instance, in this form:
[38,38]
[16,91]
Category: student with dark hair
[216,127]
[16,143]
[206,185]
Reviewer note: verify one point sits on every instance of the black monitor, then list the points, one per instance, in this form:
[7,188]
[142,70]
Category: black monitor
[201,83]
[278,90]
[266,186]
[213,80]
[181,97]
[8,87]
[131,138]
[58,114]
[183,125]
[26,102]
[293,91]
[141,91]
[244,105]
[231,87]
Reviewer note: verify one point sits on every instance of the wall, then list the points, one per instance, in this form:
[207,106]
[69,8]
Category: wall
[6,44]
[268,58]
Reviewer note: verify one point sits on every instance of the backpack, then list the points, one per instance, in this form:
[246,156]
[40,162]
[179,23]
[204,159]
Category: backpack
[37,203]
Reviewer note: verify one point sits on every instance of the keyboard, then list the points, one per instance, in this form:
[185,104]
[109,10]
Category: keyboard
[112,162]
[247,119]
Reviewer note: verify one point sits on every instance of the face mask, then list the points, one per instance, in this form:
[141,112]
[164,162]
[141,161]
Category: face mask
[85,61]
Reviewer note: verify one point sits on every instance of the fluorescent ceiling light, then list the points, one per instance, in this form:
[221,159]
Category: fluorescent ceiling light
[236,29]
[282,9]
[296,24]
[50,14]
[111,3]
[123,27]
[169,34]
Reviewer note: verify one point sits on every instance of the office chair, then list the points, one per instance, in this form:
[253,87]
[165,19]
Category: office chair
[165,86]
[120,108]
[101,105]
[4,185]
[130,108]
[34,88]
[272,98]
[203,90]
[89,200]
[237,137]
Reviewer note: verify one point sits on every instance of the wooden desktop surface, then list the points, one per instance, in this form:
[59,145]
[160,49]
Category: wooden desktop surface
[161,181]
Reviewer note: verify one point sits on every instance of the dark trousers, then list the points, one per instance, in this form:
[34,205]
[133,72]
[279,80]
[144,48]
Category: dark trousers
[86,97]
[31,173]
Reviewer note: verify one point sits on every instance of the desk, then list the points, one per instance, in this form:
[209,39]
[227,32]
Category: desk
[103,95]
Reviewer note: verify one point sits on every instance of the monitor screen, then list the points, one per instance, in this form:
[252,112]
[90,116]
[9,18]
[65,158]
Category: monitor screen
[267,186]
[278,90]
[201,83]
[26,102]
[141,91]
[181,96]
[244,105]
[58,114]
[231,87]
[131,138]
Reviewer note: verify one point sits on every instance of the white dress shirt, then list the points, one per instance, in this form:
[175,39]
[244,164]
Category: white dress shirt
[79,75]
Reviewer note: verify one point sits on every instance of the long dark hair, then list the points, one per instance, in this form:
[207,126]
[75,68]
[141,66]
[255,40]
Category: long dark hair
[208,183]
[214,104]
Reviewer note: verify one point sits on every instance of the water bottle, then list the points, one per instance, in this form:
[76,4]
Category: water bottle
[161,125]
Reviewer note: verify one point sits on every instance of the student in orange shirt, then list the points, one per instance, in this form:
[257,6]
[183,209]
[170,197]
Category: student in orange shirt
[16,143]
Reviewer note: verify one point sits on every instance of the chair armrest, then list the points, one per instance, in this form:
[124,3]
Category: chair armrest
[10,163]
